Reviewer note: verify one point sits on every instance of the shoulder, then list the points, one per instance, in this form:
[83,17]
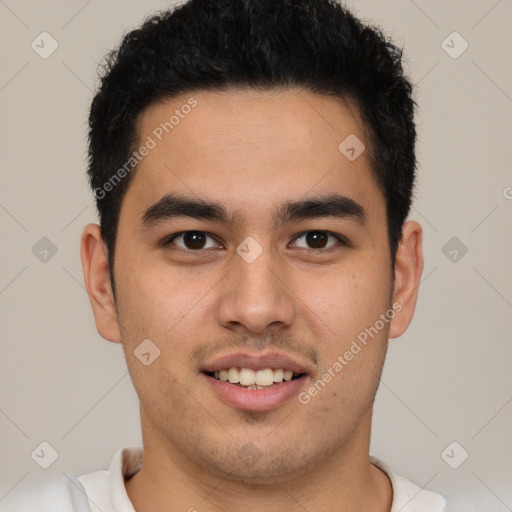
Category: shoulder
[409,497]
[55,495]
[104,489]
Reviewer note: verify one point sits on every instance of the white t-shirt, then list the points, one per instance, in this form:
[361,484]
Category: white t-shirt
[104,491]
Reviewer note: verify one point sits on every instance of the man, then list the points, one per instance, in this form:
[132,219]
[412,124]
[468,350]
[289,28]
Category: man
[253,165]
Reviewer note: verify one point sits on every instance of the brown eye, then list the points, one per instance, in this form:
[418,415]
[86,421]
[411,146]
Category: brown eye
[318,239]
[191,240]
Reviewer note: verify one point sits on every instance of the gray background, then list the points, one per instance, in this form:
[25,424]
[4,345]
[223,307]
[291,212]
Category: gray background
[447,379]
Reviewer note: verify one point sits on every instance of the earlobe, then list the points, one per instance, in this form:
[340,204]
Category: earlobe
[408,269]
[97,282]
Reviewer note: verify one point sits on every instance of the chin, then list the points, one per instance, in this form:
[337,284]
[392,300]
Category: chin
[253,465]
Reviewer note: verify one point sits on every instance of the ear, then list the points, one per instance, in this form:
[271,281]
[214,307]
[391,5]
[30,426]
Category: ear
[94,254]
[408,269]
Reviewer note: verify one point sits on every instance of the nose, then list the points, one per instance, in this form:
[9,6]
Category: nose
[255,296]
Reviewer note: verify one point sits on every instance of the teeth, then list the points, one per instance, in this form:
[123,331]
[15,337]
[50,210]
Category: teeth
[234,375]
[265,377]
[278,375]
[253,379]
[247,377]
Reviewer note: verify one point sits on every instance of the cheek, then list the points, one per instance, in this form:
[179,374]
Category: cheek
[166,306]
[346,300]
[157,300]
[155,304]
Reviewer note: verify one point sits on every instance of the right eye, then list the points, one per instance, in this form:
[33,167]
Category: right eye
[192,241]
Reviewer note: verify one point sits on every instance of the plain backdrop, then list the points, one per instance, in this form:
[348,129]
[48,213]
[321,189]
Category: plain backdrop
[446,380]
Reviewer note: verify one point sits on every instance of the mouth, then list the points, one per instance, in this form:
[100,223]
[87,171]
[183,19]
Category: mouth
[255,383]
[248,378]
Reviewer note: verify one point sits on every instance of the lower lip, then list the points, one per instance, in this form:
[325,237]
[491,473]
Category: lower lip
[255,400]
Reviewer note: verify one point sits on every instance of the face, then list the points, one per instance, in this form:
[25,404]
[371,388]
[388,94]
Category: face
[281,264]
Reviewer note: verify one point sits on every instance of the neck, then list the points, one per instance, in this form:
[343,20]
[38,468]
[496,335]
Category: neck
[345,481]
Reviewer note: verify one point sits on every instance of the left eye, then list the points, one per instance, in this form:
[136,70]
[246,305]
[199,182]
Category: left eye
[318,239]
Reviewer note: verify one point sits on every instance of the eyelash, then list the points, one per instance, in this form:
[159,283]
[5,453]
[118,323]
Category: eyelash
[341,239]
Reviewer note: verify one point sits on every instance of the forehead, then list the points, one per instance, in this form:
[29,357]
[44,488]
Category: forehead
[251,149]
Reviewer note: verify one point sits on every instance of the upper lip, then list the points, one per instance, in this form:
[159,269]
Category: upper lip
[256,362]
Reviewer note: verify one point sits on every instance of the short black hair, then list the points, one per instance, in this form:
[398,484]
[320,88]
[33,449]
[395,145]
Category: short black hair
[316,45]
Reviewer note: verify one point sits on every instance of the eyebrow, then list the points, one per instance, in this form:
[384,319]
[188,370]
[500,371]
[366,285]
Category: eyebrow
[176,205]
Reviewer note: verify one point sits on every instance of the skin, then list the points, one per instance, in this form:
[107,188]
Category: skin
[252,151]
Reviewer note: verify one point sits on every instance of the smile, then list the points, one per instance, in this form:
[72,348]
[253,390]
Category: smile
[255,382]
[254,379]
